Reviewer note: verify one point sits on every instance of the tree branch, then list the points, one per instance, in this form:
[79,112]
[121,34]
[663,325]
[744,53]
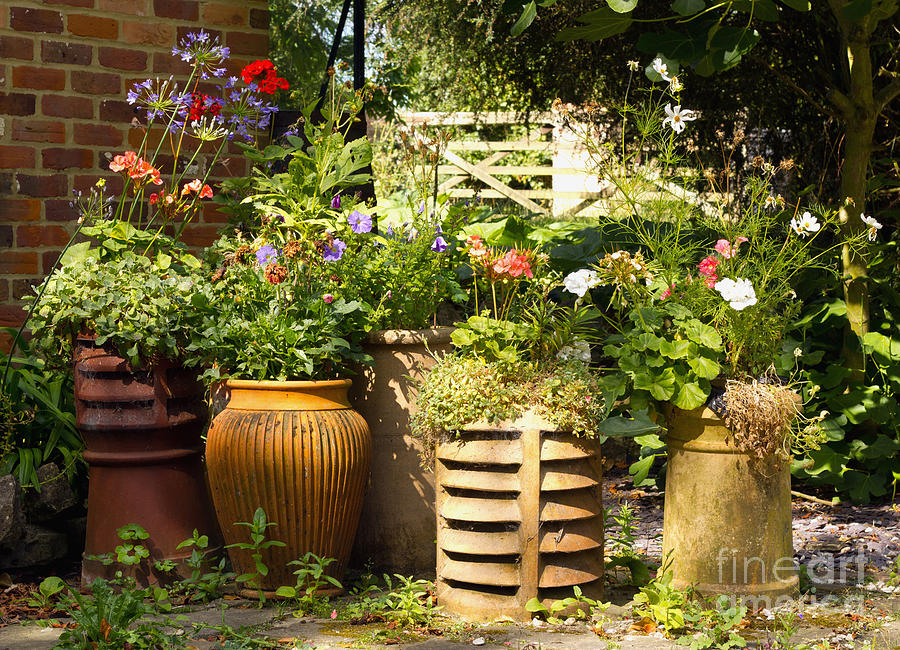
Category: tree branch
[801,91]
[887,94]
[842,102]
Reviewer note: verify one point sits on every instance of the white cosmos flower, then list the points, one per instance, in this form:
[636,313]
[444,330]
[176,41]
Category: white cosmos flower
[873,224]
[805,225]
[739,293]
[677,117]
[660,68]
[578,282]
[634,66]
[675,85]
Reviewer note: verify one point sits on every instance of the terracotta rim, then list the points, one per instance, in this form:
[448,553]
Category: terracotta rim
[274,384]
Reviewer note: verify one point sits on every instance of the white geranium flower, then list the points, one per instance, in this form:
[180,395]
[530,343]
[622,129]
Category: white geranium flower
[873,224]
[578,350]
[805,225]
[660,68]
[739,293]
[578,282]
[677,117]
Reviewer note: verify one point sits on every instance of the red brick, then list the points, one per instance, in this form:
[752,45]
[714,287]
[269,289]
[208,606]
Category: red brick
[74,53]
[17,104]
[22,288]
[200,235]
[259,18]
[101,135]
[229,166]
[18,263]
[249,44]
[43,186]
[48,261]
[20,209]
[6,236]
[165,63]
[35,236]
[122,59]
[5,340]
[96,83]
[61,106]
[218,14]
[112,110]
[114,183]
[180,9]
[38,131]
[16,48]
[12,157]
[7,183]
[60,158]
[26,76]
[93,26]
[23,19]
[148,34]
[87,4]
[59,210]
[212,214]
[133,7]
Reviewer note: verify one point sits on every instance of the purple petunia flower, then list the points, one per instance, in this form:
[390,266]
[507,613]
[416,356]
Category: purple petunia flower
[439,245]
[359,222]
[334,252]
[266,254]
[336,201]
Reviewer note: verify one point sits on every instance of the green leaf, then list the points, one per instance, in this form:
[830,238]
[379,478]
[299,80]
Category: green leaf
[826,459]
[75,253]
[688,7]
[862,486]
[798,5]
[529,13]
[534,605]
[884,346]
[883,447]
[622,6]
[600,23]
[705,367]
[857,9]
[690,396]
[622,427]
[641,469]
[661,386]
[677,349]
[703,334]
[286,592]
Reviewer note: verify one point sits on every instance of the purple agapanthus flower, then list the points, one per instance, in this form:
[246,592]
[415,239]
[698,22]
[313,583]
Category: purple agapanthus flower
[336,201]
[439,245]
[266,254]
[334,252]
[359,222]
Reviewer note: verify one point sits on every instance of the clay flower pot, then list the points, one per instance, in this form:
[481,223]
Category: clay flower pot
[519,516]
[298,450]
[142,431]
[400,540]
[727,521]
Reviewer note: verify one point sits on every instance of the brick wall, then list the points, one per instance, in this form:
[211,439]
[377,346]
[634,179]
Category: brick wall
[65,67]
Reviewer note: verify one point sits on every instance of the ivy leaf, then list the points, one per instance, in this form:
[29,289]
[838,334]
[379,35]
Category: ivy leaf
[529,12]
[862,486]
[884,346]
[883,447]
[622,6]
[826,459]
[688,7]
[640,469]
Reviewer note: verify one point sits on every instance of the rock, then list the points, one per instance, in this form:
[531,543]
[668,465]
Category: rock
[38,547]
[12,517]
[56,494]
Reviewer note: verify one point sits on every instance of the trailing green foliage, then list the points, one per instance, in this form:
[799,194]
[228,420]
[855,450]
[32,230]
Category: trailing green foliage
[37,418]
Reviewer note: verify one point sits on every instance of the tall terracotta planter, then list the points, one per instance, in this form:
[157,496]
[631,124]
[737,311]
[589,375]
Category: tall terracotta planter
[727,521]
[398,539]
[519,516]
[300,452]
[142,431]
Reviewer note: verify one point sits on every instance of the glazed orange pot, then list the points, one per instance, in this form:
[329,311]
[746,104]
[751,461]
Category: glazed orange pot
[298,450]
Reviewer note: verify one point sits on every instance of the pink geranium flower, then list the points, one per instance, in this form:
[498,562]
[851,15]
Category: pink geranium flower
[726,250]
